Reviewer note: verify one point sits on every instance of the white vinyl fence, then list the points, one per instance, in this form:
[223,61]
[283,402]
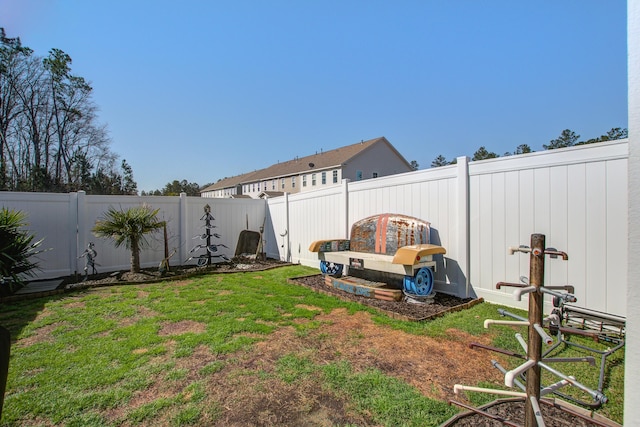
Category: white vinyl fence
[64,221]
[576,197]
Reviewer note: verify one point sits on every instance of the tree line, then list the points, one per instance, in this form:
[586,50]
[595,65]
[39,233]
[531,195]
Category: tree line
[176,187]
[567,138]
[50,138]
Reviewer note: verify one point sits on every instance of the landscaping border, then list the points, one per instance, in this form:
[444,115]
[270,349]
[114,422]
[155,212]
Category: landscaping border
[391,314]
[573,410]
[78,286]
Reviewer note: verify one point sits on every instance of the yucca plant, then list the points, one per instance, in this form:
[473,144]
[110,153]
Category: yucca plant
[129,228]
[17,249]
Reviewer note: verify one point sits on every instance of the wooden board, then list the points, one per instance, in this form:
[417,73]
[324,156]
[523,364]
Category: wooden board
[410,255]
[365,288]
[334,245]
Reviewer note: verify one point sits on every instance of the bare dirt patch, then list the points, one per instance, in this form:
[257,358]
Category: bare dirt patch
[421,361]
[76,304]
[182,327]
[141,313]
[308,307]
[42,334]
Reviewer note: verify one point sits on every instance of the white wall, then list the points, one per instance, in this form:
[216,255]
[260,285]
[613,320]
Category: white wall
[632,348]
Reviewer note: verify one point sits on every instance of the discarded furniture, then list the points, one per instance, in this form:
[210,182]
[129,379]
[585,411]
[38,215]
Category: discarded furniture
[386,255]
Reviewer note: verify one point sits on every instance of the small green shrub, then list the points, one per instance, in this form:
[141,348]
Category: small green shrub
[17,249]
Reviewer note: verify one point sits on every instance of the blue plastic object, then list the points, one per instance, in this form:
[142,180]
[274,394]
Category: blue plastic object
[330,268]
[421,284]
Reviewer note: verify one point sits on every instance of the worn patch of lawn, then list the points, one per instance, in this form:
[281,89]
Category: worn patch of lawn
[180,353]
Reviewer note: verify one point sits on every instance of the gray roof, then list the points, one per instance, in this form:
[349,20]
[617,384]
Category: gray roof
[319,161]
[228,182]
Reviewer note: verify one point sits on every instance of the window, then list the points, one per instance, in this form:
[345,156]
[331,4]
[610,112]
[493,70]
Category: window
[293,182]
[273,184]
[358,175]
[374,175]
[304,180]
[335,176]
[282,183]
[324,178]
[313,179]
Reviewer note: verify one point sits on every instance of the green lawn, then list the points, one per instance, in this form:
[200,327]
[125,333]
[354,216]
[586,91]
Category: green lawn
[93,357]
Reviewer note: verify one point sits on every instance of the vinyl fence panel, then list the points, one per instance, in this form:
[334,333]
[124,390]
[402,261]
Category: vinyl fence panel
[53,218]
[576,197]
[65,222]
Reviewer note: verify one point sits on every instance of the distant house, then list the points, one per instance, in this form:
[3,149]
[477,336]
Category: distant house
[364,160]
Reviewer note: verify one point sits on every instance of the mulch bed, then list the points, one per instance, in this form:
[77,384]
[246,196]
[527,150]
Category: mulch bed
[401,310]
[148,275]
[555,413]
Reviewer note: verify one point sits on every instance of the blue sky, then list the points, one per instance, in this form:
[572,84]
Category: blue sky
[202,90]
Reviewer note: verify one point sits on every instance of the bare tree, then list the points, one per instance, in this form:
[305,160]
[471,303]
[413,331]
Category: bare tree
[49,136]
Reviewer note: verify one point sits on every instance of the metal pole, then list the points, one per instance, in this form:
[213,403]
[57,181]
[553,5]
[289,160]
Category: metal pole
[534,343]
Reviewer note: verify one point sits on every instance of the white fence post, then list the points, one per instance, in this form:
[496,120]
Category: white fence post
[345,201]
[287,240]
[73,238]
[182,228]
[81,237]
[463,223]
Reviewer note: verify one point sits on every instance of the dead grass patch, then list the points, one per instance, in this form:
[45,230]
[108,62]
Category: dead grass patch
[308,307]
[40,335]
[182,327]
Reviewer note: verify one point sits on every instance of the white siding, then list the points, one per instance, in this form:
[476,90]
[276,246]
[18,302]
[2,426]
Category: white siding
[632,294]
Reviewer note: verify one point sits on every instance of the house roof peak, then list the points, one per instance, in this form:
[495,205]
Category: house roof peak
[318,161]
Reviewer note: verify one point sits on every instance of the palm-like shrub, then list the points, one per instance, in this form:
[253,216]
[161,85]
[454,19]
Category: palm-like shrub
[129,228]
[17,248]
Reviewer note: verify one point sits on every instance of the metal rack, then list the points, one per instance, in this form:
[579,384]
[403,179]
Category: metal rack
[527,376]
